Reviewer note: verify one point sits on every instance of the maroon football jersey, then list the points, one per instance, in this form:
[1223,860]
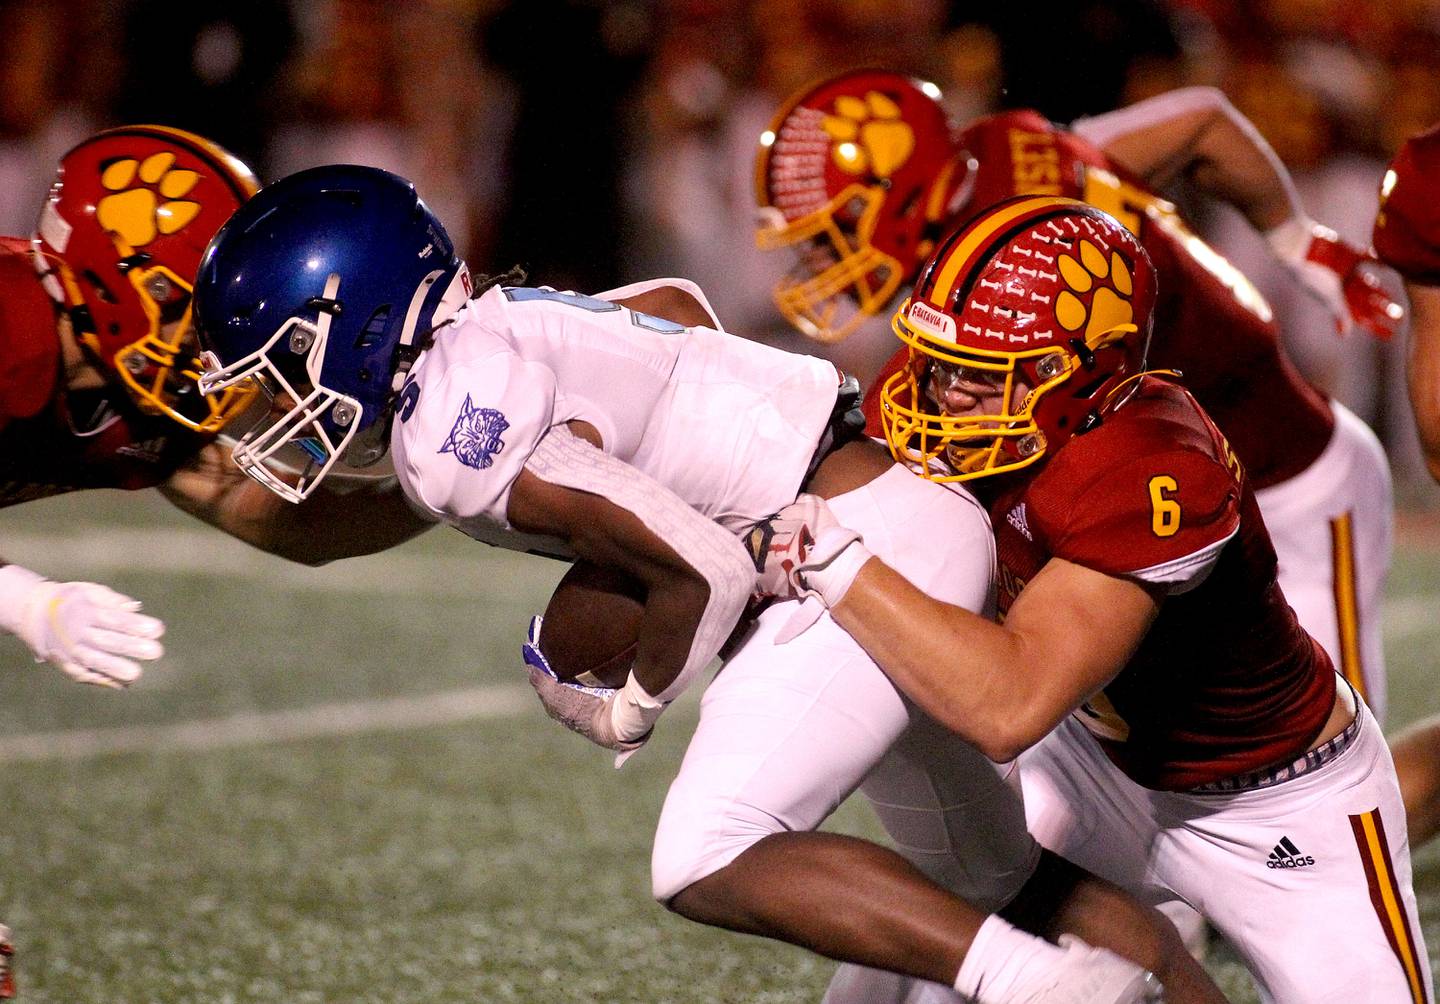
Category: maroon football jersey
[30,364]
[1407,229]
[1226,680]
[1211,324]
[53,442]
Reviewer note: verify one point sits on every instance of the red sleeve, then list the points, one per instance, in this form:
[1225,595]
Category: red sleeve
[1407,229]
[29,346]
[871,404]
[1162,518]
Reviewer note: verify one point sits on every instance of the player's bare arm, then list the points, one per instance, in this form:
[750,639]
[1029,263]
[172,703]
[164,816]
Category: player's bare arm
[1196,133]
[1001,686]
[600,531]
[345,518]
[697,577]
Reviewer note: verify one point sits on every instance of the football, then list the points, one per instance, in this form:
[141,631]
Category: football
[592,622]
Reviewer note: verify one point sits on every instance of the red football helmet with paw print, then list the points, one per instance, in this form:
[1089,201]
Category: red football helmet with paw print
[118,244]
[1407,228]
[1032,317]
[860,173]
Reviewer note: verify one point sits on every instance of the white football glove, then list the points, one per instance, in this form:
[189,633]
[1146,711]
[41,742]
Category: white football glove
[92,633]
[1339,275]
[620,719]
[802,552]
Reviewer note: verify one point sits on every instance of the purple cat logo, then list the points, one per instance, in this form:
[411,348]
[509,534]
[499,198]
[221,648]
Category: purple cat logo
[475,439]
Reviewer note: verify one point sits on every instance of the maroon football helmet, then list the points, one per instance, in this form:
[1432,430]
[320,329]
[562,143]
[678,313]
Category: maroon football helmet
[118,244]
[1047,299]
[859,173]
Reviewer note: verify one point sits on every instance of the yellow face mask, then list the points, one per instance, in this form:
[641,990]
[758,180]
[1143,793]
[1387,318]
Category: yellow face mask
[946,447]
[829,303]
[161,370]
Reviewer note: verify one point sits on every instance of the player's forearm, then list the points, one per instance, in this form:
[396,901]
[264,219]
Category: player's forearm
[614,514]
[329,525]
[1198,134]
[970,674]
[697,585]
[674,608]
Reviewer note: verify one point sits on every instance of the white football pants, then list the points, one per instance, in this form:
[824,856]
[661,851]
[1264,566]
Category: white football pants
[788,731]
[1308,879]
[1332,527]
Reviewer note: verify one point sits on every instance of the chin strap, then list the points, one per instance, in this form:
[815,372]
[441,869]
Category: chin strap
[1127,382]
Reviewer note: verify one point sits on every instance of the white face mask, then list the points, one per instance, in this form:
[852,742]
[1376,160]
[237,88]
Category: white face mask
[298,430]
[291,449]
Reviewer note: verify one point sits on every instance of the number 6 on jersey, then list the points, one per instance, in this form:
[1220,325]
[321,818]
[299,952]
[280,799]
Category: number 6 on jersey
[1166,517]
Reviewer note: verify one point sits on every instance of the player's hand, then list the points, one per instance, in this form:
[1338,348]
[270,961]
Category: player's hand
[90,632]
[586,710]
[803,551]
[1340,275]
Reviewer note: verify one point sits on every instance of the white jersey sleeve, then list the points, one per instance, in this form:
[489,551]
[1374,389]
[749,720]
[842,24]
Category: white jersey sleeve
[463,440]
[684,285]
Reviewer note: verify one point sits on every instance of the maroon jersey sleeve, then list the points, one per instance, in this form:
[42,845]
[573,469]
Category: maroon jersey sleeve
[29,346]
[1019,153]
[1407,229]
[1153,493]
[1162,518]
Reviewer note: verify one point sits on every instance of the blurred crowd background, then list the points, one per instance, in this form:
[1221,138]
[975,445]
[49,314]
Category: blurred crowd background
[600,141]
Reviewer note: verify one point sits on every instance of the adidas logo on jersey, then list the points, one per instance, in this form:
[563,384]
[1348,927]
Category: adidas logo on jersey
[1287,855]
[1016,518]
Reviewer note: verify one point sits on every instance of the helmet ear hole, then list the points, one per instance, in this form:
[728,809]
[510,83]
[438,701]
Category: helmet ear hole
[98,284]
[374,329]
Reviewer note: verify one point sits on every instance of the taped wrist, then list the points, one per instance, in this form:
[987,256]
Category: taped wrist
[834,562]
[633,712]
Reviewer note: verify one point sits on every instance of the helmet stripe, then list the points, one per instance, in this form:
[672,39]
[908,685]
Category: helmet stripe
[957,262]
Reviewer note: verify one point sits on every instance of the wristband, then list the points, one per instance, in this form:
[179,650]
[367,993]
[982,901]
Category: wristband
[633,711]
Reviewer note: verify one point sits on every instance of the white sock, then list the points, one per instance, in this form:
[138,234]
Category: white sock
[1001,958]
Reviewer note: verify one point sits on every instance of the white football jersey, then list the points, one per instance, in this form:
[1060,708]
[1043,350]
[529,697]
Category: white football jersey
[728,425]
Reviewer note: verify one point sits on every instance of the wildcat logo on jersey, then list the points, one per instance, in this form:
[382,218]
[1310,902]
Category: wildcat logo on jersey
[475,438]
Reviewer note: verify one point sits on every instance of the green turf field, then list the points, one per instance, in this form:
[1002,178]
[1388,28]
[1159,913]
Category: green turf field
[337,788]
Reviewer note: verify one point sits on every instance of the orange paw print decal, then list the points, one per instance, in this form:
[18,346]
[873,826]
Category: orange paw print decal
[869,135]
[147,198]
[1108,306]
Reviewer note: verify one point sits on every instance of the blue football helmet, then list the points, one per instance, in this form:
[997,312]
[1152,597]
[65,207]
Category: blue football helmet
[323,289]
